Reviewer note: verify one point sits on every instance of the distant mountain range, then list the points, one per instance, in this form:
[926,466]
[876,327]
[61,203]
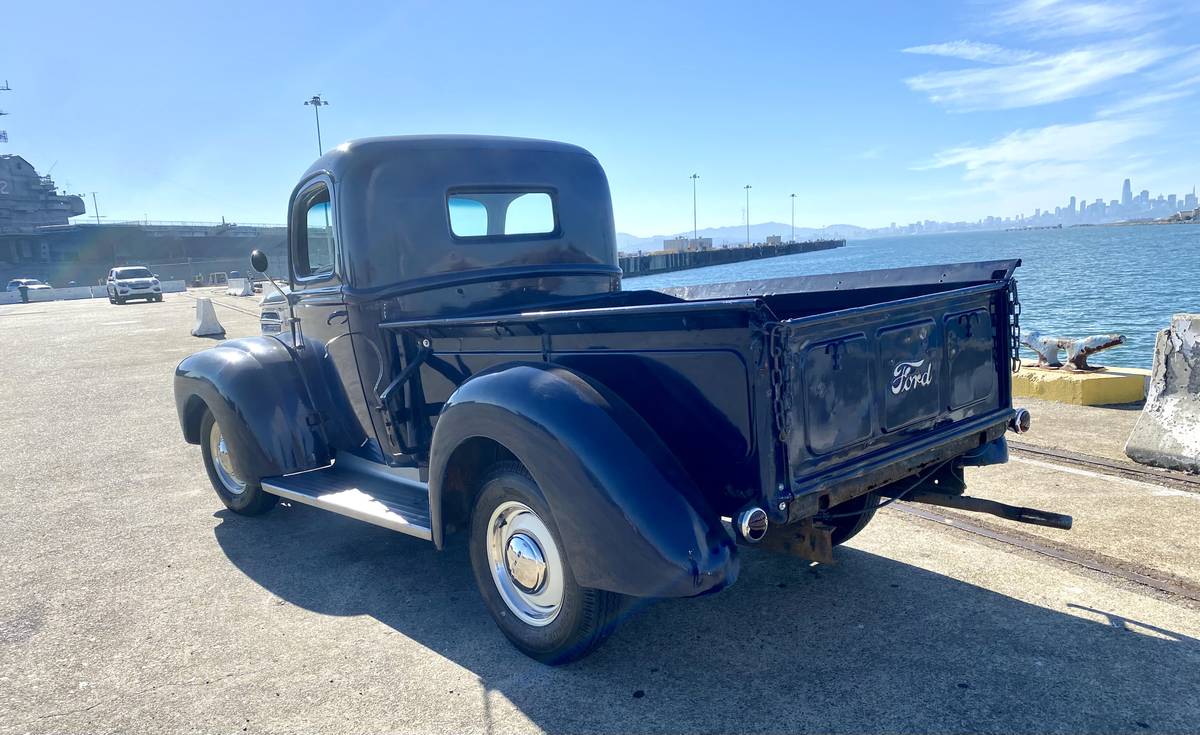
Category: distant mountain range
[736,235]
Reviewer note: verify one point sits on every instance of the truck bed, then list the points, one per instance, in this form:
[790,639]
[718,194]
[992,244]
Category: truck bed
[824,386]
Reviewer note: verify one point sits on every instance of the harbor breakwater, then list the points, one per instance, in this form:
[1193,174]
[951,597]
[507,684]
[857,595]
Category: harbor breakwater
[645,264]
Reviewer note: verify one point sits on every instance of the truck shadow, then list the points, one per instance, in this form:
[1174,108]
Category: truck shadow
[868,645]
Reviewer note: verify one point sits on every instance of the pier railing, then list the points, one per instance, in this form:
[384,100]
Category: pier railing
[645,264]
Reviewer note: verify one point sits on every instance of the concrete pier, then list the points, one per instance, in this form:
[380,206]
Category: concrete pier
[664,262]
[132,601]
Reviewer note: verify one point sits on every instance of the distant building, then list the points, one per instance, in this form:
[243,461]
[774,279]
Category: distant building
[1126,194]
[676,244]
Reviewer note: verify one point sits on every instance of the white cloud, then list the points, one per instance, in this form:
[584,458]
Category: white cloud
[1142,101]
[1040,81]
[1047,18]
[988,53]
[1062,155]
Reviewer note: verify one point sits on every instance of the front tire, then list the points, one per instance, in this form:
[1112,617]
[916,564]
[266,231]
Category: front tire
[522,573]
[241,495]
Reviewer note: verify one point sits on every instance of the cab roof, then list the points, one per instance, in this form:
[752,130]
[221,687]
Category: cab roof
[391,210]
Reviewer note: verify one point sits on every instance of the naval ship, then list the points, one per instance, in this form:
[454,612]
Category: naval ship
[39,239]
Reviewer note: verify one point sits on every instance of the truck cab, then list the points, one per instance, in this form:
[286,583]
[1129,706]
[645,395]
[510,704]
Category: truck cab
[453,353]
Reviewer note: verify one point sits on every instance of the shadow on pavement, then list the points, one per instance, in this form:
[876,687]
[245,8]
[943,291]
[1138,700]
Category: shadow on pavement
[868,645]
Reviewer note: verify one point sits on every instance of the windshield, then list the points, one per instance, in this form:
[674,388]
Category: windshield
[133,273]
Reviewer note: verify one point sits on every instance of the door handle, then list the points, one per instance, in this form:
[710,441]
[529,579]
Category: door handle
[345,316]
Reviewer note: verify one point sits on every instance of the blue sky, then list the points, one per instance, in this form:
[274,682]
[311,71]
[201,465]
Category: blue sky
[869,112]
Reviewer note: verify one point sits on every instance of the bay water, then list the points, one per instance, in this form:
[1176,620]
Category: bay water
[1073,282]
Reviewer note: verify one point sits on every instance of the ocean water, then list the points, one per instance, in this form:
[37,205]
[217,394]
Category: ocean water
[1072,282]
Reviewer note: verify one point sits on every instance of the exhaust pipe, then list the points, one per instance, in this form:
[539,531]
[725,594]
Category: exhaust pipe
[1020,421]
[751,525]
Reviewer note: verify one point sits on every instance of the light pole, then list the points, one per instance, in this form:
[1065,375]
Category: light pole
[95,208]
[793,218]
[316,103]
[748,187]
[695,231]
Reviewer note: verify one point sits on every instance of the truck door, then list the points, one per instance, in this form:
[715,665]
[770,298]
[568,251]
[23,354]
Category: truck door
[316,272]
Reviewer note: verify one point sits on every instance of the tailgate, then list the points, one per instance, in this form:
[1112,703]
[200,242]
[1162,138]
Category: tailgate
[860,383]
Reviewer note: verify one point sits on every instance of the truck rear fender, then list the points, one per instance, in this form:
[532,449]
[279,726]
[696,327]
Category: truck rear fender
[630,518]
[256,391]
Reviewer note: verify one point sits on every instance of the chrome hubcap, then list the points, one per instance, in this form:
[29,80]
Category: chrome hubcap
[526,565]
[223,463]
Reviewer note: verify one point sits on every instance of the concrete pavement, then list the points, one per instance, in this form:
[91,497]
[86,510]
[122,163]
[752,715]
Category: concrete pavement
[130,600]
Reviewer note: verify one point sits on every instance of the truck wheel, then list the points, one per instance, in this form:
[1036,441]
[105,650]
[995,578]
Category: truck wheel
[847,528]
[523,575]
[241,495]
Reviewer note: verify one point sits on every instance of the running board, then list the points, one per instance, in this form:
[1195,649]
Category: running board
[361,490]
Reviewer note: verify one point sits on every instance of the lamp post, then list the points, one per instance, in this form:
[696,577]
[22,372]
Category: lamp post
[95,208]
[317,103]
[748,187]
[793,218]
[695,231]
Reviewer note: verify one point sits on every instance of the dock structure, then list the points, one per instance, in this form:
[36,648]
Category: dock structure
[647,264]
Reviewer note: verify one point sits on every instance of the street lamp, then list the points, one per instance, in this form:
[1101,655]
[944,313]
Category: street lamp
[695,231]
[316,103]
[793,218]
[748,187]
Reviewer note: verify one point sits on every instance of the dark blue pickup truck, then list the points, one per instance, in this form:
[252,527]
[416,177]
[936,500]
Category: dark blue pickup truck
[458,355]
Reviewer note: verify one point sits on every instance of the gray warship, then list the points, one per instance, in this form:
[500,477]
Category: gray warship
[39,239]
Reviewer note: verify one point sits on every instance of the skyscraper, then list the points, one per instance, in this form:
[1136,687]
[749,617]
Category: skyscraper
[1126,194]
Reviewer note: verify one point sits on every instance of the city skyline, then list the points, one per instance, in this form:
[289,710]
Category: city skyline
[1129,207]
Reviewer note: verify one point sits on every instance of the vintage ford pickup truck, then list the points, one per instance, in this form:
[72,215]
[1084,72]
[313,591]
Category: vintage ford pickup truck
[457,354]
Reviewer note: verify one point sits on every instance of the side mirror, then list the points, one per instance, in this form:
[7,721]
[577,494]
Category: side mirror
[258,259]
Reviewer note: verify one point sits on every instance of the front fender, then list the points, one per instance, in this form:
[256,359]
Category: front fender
[256,391]
[630,518]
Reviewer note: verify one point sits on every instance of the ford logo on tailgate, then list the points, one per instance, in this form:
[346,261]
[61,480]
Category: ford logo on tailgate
[909,375]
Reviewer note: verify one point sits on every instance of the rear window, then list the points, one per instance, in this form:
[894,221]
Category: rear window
[494,214]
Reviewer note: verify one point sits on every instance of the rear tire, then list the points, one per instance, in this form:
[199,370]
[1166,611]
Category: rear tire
[847,528]
[241,495]
[523,575]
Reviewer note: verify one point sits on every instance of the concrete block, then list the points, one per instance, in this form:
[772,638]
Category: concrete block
[239,287]
[174,286]
[206,320]
[41,294]
[74,292]
[1167,433]
[1100,388]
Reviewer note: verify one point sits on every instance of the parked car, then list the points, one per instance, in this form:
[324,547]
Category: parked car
[133,282]
[456,354]
[273,310]
[32,284]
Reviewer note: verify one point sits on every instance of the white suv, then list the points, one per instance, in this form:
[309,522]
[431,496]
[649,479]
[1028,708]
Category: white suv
[133,282]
